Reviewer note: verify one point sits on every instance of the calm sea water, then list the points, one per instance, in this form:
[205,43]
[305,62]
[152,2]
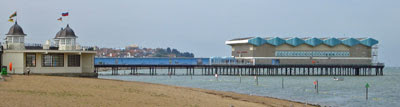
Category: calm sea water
[383,90]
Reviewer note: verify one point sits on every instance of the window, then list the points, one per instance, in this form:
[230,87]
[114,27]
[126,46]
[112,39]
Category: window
[15,39]
[68,41]
[312,53]
[21,39]
[53,60]
[30,60]
[74,60]
[9,39]
[62,41]
[73,41]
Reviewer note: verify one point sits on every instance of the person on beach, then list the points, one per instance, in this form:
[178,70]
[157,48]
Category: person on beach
[1,76]
[28,71]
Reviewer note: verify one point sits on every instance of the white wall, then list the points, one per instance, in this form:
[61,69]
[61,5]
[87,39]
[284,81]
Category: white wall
[19,63]
[17,60]
[87,63]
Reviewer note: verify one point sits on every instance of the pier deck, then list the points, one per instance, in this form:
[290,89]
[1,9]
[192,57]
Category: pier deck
[253,70]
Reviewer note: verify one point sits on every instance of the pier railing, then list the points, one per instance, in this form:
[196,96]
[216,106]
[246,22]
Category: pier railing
[37,46]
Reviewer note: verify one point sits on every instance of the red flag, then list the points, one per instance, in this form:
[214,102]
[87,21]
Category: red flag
[65,14]
[13,15]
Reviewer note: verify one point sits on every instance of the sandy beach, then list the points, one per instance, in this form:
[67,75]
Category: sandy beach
[37,91]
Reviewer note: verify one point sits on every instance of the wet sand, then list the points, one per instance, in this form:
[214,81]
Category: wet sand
[40,91]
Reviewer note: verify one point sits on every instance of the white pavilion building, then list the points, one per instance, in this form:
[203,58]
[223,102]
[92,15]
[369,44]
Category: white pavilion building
[64,58]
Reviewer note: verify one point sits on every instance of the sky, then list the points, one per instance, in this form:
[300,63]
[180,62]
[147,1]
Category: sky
[203,26]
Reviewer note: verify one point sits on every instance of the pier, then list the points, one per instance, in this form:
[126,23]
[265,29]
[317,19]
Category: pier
[253,70]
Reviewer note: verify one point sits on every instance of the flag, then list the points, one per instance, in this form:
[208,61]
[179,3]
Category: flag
[13,15]
[64,14]
[11,20]
[59,19]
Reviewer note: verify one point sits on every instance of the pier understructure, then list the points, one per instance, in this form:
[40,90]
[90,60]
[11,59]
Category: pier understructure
[251,70]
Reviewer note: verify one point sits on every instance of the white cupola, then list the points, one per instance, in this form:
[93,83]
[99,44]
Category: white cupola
[15,38]
[56,39]
[66,39]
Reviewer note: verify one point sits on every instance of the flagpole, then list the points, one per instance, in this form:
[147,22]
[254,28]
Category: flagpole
[62,22]
[59,23]
[66,21]
[67,16]
[62,18]
[16,17]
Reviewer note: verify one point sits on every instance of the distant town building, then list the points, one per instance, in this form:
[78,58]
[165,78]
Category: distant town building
[133,51]
[65,57]
[311,50]
[130,47]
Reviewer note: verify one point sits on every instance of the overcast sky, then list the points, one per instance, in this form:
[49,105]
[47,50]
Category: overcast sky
[202,26]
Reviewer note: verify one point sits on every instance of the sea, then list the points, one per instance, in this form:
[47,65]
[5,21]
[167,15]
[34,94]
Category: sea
[383,91]
[158,61]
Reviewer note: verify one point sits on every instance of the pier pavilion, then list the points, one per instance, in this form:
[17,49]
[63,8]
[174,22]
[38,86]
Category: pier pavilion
[308,50]
[64,57]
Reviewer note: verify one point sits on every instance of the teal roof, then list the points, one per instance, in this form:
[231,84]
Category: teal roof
[332,42]
[257,41]
[350,42]
[276,41]
[369,42]
[295,41]
[314,41]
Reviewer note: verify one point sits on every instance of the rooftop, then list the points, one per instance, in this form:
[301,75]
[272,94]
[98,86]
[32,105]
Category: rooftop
[296,41]
[66,32]
[16,30]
